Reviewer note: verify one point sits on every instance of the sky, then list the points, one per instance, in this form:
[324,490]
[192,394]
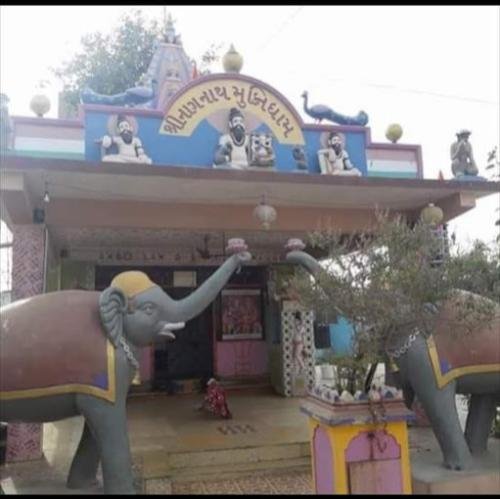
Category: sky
[434,70]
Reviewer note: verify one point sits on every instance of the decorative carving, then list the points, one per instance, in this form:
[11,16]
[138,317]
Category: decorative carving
[462,159]
[334,159]
[300,158]
[261,150]
[129,148]
[321,112]
[302,373]
[232,150]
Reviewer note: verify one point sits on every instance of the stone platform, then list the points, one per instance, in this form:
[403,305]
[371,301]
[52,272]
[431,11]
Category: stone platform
[429,477]
[264,449]
[172,442]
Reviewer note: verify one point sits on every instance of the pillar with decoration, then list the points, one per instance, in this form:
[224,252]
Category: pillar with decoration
[358,446]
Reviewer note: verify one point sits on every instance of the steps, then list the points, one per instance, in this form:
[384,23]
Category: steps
[262,382]
[224,463]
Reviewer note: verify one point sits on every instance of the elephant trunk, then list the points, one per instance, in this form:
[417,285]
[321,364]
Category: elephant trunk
[305,260]
[195,303]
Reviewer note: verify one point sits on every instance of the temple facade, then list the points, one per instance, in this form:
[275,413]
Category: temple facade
[162,177]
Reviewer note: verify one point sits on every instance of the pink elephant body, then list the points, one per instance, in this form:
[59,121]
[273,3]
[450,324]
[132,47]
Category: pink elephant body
[40,336]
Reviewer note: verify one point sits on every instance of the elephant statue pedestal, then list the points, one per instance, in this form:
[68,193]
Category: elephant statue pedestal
[429,478]
[358,447]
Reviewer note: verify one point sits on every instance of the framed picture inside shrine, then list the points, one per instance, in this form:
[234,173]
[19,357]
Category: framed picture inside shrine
[241,311]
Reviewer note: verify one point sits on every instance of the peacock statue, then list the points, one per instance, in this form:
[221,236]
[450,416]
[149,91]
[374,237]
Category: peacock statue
[321,112]
[142,94]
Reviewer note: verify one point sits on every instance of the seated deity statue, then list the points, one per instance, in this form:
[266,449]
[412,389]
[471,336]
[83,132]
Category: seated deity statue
[261,152]
[232,150]
[129,148]
[462,160]
[334,160]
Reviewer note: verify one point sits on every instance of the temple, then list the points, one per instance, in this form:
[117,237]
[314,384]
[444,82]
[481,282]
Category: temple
[160,177]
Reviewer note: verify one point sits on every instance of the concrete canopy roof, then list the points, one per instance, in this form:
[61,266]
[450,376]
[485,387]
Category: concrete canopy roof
[104,194]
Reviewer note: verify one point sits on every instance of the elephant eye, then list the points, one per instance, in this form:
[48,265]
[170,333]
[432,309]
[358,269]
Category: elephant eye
[148,308]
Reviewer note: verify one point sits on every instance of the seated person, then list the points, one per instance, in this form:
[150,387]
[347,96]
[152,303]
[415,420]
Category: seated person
[232,150]
[462,160]
[334,160]
[130,148]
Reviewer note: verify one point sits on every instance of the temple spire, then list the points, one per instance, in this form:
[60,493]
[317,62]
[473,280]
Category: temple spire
[169,29]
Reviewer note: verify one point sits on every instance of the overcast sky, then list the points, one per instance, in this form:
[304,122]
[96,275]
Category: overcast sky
[432,69]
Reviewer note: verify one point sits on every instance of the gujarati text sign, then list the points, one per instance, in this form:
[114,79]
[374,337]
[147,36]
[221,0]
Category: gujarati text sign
[200,101]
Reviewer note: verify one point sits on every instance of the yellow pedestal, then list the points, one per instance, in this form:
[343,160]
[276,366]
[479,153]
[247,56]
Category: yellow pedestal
[342,423]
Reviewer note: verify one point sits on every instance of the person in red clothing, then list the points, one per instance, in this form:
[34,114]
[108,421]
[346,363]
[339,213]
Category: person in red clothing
[215,400]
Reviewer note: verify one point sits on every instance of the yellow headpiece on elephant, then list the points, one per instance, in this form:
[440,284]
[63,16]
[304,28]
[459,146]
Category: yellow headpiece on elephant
[132,282]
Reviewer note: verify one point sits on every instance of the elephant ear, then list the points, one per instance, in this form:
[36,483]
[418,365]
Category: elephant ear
[112,307]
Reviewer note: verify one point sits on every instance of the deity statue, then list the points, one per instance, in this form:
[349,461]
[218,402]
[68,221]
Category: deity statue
[233,147]
[462,160]
[129,148]
[299,353]
[299,155]
[334,160]
[261,152]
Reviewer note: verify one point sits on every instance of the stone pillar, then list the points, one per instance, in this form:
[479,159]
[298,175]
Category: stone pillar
[24,441]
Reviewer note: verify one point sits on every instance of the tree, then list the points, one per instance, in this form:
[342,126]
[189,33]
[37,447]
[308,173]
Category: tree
[494,164]
[388,283]
[110,63]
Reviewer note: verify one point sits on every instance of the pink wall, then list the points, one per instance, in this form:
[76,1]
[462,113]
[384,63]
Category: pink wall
[374,464]
[146,363]
[323,463]
[235,358]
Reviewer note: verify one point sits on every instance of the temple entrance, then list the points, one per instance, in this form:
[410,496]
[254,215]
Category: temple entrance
[190,356]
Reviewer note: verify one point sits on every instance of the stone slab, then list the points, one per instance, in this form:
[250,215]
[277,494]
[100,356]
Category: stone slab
[430,477]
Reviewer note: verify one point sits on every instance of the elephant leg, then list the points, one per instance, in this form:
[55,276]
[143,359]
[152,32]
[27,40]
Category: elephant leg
[83,471]
[481,413]
[439,404]
[108,423]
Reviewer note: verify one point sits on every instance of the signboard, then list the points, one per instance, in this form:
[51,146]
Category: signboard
[212,94]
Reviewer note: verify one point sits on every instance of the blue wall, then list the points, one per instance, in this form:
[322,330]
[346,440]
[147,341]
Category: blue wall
[198,149]
[341,337]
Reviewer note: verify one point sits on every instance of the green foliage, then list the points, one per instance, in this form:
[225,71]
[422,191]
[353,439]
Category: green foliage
[388,282]
[110,63]
[494,164]
[351,370]
[478,269]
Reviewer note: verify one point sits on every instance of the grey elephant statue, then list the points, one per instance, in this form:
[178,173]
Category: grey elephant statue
[436,368]
[75,352]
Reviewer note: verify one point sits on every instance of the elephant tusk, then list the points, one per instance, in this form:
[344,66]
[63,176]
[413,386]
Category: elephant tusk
[174,326]
[168,334]
[167,327]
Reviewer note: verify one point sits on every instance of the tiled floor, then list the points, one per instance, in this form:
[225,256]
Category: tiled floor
[296,483]
[267,484]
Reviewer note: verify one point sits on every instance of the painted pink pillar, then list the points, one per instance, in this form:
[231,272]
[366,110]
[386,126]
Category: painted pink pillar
[24,441]
[323,463]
